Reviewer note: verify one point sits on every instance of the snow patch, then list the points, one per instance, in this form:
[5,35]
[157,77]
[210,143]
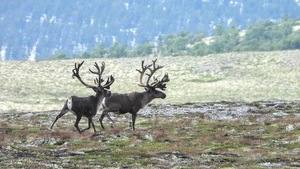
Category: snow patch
[79,48]
[126,4]
[32,54]
[53,19]
[229,21]
[28,18]
[114,39]
[43,18]
[241,9]
[92,21]
[3,53]
[234,3]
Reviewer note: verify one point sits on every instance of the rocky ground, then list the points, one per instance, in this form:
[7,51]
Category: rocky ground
[191,135]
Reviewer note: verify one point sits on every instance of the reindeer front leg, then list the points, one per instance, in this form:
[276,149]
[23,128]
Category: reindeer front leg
[78,118]
[90,121]
[105,113]
[101,119]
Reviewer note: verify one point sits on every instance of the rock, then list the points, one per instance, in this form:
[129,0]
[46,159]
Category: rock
[280,113]
[290,127]
[74,153]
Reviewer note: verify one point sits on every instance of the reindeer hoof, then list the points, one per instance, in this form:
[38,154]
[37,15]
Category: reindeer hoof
[112,125]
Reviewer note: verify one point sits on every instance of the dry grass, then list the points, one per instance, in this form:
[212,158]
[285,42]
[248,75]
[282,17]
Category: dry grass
[44,85]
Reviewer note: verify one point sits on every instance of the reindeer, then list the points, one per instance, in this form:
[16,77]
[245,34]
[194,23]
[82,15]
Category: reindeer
[133,102]
[87,106]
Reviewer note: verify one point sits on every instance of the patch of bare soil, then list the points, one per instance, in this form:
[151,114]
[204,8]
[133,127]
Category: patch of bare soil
[27,143]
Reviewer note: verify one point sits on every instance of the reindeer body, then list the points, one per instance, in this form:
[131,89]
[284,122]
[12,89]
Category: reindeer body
[134,101]
[126,103]
[81,106]
[86,106]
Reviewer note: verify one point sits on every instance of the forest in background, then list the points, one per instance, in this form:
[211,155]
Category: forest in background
[267,35]
[37,29]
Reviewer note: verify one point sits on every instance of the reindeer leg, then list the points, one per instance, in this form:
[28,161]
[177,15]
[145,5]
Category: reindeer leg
[78,118]
[93,125]
[89,124]
[133,115]
[105,113]
[111,120]
[62,112]
[90,121]
[101,119]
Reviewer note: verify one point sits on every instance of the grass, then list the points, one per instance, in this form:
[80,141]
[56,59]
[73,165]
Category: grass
[188,140]
[253,76]
[231,143]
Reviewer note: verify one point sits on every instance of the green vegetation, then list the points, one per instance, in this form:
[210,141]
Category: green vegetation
[36,29]
[264,36]
[189,140]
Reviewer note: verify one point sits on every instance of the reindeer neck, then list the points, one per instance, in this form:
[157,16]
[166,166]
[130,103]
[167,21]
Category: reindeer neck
[145,98]
[98,98]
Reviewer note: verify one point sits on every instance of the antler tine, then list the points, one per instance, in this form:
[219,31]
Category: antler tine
[110,80]
[142,72]
[76,69]
[161,84]
[152,71]
[76,74]
[96,81]
[99,72]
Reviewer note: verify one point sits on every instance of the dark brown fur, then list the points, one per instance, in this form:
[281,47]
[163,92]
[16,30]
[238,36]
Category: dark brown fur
[133,102]
[87,106]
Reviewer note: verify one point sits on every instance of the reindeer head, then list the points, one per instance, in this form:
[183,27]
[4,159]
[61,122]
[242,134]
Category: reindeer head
[155,84]
[99,89]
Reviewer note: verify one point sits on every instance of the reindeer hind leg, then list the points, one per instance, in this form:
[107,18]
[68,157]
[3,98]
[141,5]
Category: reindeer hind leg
[62,112]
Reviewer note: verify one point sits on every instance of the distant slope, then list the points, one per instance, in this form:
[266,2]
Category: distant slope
[35,29]
[250,76]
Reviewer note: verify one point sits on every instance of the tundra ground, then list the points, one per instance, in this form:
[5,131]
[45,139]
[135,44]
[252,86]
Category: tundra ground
[200,135]
[213,116]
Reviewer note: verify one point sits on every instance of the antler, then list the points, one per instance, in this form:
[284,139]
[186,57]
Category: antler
[99,72]
[152,71]
[161,83]
[157,83]
[110,80]
[142,72]
[76,74]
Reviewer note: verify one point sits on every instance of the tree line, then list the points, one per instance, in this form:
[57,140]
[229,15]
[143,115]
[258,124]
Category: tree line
[266,35]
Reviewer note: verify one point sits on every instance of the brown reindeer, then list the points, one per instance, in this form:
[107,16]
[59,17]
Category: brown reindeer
[87,106]
[133,102]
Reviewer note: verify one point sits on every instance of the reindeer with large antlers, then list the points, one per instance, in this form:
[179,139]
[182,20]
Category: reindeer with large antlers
[87,106]
[133,102]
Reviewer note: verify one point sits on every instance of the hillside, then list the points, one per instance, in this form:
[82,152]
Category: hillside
[36,29]
[249,76]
